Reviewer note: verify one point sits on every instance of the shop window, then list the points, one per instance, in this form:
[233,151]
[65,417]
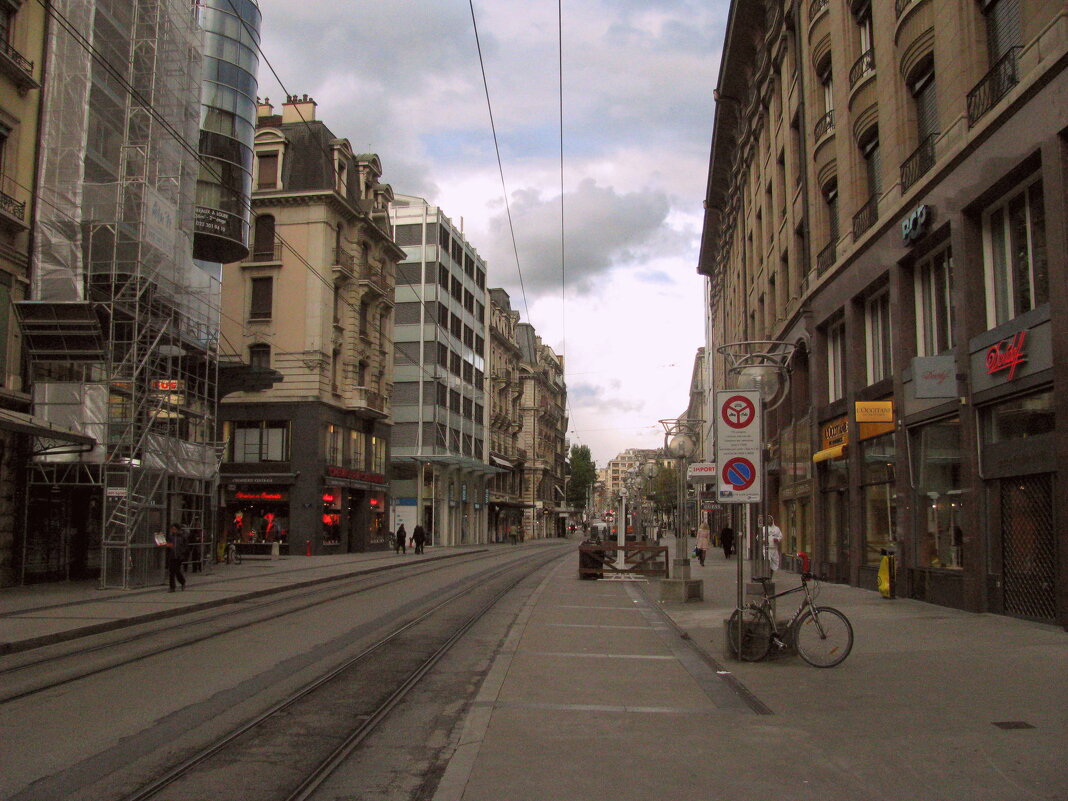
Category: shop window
[836,349]
[878,459]
[936,453]
[1019,418]
[261,298]
[1014,239]
[934,304]
[877,323]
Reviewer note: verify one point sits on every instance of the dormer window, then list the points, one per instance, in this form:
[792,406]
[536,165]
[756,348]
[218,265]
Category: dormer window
[267,170]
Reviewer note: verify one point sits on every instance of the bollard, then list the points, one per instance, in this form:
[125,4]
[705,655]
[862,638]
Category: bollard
[275,554]
[307,547]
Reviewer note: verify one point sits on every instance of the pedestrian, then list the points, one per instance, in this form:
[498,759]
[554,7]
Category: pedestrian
[703,542]
[419,537]
[726,538]
[175,555]
[402,538]
[773,544]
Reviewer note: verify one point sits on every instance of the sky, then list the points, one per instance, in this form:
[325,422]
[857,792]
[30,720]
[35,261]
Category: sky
[403,79]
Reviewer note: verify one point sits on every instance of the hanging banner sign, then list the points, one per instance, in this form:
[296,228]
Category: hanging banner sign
[739,441]
[701,473]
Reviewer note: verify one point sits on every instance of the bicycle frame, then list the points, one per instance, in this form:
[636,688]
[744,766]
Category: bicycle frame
[805,604]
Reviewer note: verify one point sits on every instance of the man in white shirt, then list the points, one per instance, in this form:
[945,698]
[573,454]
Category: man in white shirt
[773,543]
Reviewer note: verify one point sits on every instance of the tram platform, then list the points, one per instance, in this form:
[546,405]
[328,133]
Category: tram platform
[601,691]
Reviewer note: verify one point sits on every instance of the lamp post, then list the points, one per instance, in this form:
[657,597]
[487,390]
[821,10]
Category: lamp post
[680,441]
[761,365]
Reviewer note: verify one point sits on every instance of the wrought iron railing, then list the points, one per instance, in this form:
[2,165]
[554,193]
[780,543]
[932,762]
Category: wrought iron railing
[826,258]
[901,5]
[995,85]
[824,126]
[861,67]
[13,207]
[815,7]
[265,251]
[23,63]
[921,160]
[343,258]
[866,217]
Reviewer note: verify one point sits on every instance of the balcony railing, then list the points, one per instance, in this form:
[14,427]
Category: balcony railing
[921,160]
[13,207]
[265,251]
[866,217]
[825,125]
[825,260]
[815,7]
[863,66]
[20,60]
[995,85]
[901,5]
[345,260]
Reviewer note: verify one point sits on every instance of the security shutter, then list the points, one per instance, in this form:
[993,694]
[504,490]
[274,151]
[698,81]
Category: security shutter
[1003,28]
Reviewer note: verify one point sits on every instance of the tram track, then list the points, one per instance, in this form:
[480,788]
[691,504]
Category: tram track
[291,601]
[319,725]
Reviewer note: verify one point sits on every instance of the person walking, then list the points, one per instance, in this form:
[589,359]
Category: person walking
[703,542]
[402,539]
[773,543]
[726,539]
[419,537]
[175,555]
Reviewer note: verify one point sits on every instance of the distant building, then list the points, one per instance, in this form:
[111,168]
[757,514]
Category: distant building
[505,421]
[305,461]
[439,473]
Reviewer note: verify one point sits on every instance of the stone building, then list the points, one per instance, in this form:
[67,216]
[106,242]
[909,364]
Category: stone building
[887,193]
[504,421]
[544,410]
[306,460]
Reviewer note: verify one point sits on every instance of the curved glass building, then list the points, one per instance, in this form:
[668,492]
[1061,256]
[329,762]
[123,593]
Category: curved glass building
[227,126]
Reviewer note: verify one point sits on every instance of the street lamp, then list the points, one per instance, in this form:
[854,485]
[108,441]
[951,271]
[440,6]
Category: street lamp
[761,365]
[680,441]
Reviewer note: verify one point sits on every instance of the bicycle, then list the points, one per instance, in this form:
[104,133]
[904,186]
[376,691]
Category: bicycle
[821,635]
[233,556]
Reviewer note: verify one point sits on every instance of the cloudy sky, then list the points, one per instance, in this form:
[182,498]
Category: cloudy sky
[402,78]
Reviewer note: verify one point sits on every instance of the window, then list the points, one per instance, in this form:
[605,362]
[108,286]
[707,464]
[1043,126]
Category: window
[259,441]
[877,322]
[263,239]
[869,149]
[826,80]
[936,453]
[261,298]
[457,290]
[335,372]
[923,92]
[365,319]
[259,355]
[878,458]
[5,306]
[864,28]
[407,313]
[409,273]
[443,276]
[934,304]
[1014,238]
[338,302]
[332,443]
[408,235]
[361,373]
[1003,29]
[268,171]
[378,455]
[354,454]
[836,361]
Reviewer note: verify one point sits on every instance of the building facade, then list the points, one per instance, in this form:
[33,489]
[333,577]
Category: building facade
[544,409]
[21,61]
[887,193]
[439,473]
[305,461]
[504,421]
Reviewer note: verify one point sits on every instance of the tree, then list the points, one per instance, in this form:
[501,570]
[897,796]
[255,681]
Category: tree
[583,473]
[663,489]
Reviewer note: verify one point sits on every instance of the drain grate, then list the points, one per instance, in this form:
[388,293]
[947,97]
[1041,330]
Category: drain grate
[1013,724]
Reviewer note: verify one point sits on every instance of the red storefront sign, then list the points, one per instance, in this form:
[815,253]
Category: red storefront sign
[258,496]
[356,475]
[1007,355]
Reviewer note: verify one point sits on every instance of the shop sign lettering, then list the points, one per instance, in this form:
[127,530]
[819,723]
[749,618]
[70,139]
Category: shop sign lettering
[1007,355]
[355,475]
[915,225]
[258,496]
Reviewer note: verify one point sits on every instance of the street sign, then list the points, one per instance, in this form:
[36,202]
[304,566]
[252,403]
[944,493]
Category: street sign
[739,441]
[701,473]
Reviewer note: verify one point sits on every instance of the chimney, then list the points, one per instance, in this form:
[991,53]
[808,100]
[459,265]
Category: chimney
[264,108]
[296,109]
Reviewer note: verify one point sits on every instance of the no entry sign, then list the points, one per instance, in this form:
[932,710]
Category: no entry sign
[739,437]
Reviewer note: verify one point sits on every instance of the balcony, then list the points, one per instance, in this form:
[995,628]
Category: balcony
[815,7]
[901,5]
[826,258]
[866,217]
[17,67]
[824,126]
[921,160]
[12,211]
[995,85]
[865,65]
[345,262]
[376,277]
[261,252]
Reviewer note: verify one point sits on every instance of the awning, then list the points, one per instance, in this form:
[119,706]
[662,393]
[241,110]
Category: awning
[837,452]
[497,460]
[42,429]
[511,505]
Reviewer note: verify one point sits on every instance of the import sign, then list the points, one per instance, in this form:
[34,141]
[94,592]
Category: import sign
[739,438]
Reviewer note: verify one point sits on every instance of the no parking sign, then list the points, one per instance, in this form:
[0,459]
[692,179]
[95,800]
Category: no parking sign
[739,435]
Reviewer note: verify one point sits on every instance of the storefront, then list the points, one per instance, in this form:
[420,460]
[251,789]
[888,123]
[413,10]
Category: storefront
[354,511]
[795,517]
[833,478]
[256,509]
[878,490]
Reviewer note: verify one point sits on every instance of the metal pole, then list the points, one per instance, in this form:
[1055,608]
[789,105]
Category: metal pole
[621,531]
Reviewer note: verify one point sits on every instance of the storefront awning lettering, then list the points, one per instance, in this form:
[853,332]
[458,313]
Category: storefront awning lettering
[836,452]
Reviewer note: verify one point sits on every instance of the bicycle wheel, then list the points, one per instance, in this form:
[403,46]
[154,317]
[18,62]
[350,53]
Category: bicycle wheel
[823,637]
[756,633]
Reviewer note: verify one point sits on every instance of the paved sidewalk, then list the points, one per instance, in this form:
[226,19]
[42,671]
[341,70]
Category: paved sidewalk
[43,614]
[602,692]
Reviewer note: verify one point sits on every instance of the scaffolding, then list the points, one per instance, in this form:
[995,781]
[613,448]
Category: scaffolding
[122,327]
